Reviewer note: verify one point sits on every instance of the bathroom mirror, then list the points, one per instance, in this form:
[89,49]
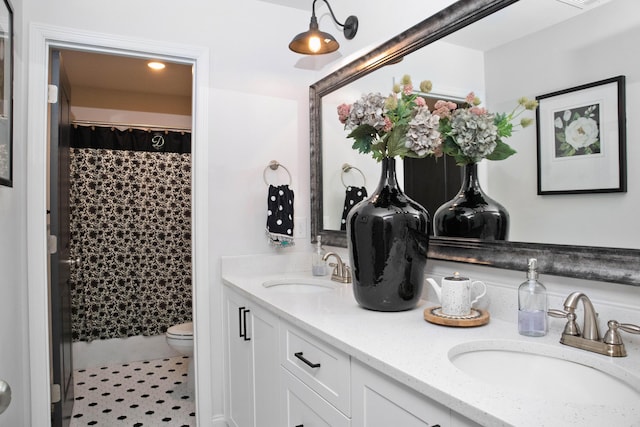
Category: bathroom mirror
[606,262]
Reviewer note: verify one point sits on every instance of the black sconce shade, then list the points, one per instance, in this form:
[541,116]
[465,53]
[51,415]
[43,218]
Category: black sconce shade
[316,42]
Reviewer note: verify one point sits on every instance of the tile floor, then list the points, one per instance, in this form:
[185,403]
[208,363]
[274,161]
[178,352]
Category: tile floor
[141,394]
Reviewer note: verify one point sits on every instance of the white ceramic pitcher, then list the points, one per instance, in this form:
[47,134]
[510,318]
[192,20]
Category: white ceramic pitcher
[455,294]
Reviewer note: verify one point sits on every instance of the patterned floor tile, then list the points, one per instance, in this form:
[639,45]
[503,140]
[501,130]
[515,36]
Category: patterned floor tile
[142,394]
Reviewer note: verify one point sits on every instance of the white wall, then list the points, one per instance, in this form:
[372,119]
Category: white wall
[13,271]
[126,118]
[258,111]
[558,58]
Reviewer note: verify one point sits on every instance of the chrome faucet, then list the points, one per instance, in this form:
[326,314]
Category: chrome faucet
[341,271]
[589,339]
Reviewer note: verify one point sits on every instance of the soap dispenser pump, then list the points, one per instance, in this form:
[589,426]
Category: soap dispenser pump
[532,304]
[318,264]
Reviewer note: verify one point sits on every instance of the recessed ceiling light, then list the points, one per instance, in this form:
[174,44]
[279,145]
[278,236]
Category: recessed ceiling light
[154,65]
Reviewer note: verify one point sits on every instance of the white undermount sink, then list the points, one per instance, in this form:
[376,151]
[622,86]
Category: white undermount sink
[546,372]
[302,285]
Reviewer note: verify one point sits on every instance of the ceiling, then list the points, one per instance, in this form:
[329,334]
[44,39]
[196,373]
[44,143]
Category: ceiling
[124,73]
[523,18]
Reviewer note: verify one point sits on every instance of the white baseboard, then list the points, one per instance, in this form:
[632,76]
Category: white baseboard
[120,350]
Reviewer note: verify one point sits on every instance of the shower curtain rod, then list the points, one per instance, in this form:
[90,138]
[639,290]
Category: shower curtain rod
[129,126]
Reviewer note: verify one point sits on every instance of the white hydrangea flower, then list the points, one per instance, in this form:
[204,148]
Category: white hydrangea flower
[423,136]
[368,110]
[475,134]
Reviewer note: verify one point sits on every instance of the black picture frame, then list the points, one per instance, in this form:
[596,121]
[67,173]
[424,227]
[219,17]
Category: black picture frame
[581,138]
[6,94]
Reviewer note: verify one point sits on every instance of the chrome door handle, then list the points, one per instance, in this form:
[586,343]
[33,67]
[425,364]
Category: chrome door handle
[5,396]
[71,262]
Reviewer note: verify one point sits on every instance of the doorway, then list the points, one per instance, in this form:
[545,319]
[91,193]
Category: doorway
[42,40]
[120,203]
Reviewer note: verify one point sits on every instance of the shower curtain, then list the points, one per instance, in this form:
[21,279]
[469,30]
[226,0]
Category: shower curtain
[131,228]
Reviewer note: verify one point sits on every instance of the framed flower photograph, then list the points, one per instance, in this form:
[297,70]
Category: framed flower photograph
[6,94]
[582,139]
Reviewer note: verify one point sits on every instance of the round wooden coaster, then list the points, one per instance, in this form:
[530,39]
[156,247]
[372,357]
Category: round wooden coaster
[476,318]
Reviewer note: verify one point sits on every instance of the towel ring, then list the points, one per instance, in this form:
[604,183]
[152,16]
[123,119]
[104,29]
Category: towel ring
[274,165]
[347,168]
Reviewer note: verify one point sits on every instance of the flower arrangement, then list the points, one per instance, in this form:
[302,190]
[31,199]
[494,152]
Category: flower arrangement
[398,125]
[402,125]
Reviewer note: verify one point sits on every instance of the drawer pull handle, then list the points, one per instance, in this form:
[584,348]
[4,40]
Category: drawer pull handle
[300,425]
[244,324]
[240,310]
[310,364]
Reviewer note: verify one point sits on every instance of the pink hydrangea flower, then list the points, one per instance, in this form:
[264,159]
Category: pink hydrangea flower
[420,102]
[343,112]
[388,125]
[444,108]
[470,98]
[479,111]
[407,89]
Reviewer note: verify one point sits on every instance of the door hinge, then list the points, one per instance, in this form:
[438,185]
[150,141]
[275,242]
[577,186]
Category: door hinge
[52,244]
[52,94]
[55,393]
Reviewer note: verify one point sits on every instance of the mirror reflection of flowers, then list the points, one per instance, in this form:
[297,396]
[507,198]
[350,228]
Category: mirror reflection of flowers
[470,133]
[577,131]
[402,125]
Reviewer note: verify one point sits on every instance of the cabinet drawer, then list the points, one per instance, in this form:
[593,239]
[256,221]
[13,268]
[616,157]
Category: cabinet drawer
[323,368]
[304,408]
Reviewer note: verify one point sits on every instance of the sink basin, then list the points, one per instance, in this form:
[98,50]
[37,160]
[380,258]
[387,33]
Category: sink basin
[547,372]
[307,285]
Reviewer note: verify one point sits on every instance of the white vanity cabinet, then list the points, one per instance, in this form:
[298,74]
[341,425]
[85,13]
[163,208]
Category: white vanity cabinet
[252,363]
[279,374]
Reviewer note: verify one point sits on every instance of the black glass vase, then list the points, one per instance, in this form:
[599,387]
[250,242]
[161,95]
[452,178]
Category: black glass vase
[388,240]
[471,213]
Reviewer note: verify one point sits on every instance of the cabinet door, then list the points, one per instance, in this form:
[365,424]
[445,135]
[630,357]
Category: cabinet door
[266,378]
[305,408]
[239,363]
[252,364]
[379,401]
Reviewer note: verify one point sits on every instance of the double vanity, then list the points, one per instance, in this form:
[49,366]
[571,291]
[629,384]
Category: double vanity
[301,352]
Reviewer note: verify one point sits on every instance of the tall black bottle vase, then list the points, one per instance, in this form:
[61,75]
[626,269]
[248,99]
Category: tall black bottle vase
[471,213]
[388,240]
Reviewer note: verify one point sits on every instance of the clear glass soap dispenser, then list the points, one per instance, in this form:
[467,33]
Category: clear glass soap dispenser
[532,304]
[318,265]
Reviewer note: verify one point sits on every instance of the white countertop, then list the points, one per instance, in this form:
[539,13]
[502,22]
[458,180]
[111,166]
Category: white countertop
[405,347]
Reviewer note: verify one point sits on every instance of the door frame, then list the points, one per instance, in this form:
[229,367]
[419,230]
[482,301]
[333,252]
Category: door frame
[41,39]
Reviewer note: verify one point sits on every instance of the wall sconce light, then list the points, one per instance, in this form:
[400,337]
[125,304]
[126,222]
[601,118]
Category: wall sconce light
[316,42]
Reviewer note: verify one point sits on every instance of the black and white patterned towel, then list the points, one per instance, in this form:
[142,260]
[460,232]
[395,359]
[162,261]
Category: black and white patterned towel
[280,216]
[353,196]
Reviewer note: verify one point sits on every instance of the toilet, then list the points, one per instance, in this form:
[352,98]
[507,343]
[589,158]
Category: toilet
[180,338]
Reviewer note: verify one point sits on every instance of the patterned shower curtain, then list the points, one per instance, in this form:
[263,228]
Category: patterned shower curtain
[131,228]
